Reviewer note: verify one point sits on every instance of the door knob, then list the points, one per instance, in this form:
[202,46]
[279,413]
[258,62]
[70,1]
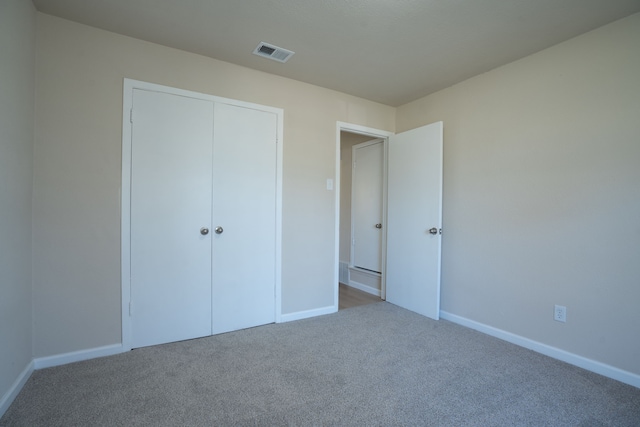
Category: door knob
[433,230]
[204,231]
[219,230]
[378,225]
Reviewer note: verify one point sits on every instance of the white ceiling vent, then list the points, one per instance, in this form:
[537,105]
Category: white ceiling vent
[273,52]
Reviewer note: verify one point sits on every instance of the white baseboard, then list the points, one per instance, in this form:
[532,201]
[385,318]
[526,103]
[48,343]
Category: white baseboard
[77,356]
[15,388]
[298,315]
[365,288]
[571,358]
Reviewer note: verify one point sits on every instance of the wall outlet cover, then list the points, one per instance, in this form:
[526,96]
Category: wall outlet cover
[560,313]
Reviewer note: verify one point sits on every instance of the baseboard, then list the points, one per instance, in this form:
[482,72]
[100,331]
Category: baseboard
[298,315]
[565,356]
[15,388]
[365,288]
[50,361]
[77,356]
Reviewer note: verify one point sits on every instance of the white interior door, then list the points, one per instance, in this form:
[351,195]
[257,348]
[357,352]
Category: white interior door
[244,187]
[170,202]
[414,219]
[366,206]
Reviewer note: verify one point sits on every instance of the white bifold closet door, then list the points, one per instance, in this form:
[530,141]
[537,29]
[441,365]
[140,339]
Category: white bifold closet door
[198,166]
[171,198]
[244,206]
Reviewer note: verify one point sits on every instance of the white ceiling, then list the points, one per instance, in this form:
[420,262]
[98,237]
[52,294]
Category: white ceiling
[390,51]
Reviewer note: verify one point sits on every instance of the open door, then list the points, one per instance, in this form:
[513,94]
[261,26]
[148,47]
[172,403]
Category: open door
[414,220]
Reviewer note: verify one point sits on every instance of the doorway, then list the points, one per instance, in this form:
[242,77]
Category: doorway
[361,214]
[412,215]
[361,281]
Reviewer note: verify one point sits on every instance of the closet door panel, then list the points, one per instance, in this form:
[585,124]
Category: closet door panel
[171,155]
[244,213]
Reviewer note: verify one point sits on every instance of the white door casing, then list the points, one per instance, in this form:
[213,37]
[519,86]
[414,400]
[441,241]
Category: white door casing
[414,208]
[366,205]
[374,134]
[170,258]
[170,185]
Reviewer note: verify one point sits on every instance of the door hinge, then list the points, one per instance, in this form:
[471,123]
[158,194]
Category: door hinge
[353,241]
[131,115]
[130,308]
[354,165]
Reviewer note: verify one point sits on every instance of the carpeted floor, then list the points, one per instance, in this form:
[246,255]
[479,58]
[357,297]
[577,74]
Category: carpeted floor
[373,365]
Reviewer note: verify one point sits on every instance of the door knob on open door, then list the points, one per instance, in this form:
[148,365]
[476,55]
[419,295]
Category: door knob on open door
[433,230]
[378,225]
[219,230]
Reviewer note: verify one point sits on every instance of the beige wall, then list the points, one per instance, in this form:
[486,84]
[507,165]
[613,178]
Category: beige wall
[17,55]
[78,162]
[541,197]
[542,194]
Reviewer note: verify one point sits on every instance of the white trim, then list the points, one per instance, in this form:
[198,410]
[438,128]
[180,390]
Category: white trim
[299,315]
[77,356]
[127,103]
[385,206]
[556,353]
[279,186]
[363,130]
[364,288]
[15,388]
[125,214]
[374,133]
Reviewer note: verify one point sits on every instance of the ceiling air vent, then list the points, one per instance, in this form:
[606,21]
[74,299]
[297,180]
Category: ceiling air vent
[273,52]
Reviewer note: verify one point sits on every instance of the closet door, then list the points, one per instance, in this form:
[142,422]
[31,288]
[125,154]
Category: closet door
[171,151]
[244,217]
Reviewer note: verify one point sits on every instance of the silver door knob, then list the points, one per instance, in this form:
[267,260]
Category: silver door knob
[378,225]
[219,230]
[433,230]
[204,231]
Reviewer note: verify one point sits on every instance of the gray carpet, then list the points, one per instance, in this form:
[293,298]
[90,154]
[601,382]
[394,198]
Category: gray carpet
[370,365]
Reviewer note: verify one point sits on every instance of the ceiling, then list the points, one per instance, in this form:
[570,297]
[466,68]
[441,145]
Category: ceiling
[389,51]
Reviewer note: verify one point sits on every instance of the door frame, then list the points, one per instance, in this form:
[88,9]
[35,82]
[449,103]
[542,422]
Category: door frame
[129,85]
[374,134]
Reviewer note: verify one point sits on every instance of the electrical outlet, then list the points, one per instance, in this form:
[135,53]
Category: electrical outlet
[560,313]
